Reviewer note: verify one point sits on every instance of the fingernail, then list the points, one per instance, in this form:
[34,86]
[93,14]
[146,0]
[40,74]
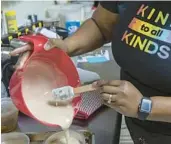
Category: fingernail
[47,46]
[94,84]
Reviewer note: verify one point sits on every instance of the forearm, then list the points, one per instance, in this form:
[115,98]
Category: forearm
[161,109]
[86,39]
[90,36]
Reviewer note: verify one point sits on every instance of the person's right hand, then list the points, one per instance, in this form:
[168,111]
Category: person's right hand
[58,43]
[26,50]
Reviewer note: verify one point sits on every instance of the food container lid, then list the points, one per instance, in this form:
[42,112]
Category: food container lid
[15,136]
[7,107]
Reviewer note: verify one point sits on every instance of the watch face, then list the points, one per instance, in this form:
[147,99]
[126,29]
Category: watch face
[146,105]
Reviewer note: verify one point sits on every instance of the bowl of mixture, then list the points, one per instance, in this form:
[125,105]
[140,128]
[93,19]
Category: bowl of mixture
[9,115]
[66,137]
[31,86]
[14,138]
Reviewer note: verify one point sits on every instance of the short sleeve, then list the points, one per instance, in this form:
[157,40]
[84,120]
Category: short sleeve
[111,6]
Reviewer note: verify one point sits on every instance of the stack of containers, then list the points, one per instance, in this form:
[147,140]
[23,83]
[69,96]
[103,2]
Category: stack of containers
[71,16]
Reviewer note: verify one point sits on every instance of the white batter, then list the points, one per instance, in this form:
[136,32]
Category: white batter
[71,140]
[40,79]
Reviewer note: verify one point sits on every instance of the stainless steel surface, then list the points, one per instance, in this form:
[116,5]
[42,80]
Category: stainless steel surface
[5,51]
[102,124]
[16,43]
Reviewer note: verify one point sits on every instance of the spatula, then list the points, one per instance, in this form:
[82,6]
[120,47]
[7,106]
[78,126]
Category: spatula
[67,93]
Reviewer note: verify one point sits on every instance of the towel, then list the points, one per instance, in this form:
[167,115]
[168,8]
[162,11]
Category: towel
[91,101]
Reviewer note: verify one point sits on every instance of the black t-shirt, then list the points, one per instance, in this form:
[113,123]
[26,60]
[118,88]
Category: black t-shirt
[141,46]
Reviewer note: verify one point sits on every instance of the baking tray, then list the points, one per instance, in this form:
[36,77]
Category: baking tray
[39,138]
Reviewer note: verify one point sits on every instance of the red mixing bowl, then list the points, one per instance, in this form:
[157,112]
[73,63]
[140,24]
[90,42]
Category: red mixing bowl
[59,70]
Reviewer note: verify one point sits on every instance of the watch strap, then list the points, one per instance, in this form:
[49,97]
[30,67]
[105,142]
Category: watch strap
[143,115]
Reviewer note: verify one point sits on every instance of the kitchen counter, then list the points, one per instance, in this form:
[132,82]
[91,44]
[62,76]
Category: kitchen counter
[105,124]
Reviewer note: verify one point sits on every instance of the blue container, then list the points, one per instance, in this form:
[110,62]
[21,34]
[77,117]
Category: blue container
[72,26]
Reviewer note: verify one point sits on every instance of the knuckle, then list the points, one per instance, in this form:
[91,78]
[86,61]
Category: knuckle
[119,93]
[124,86]
[124,82]
[121,90]
[102,82]
[103,95]
[102,88]
[116,99]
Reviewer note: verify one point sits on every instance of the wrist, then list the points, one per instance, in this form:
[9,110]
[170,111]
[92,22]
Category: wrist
[67,44]
[71,47]
[154,113]
[161,109]
[145,108]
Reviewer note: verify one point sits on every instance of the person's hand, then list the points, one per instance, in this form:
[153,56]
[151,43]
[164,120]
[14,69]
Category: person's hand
[59,43]
[26,50]
[123,96]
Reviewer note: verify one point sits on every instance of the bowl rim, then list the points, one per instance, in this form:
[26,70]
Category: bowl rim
[12,136]
[57,133]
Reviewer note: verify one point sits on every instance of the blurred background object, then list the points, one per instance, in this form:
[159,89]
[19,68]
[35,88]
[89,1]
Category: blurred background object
[11,21]
[9,115]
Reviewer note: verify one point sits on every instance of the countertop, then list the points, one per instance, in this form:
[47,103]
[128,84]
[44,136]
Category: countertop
[105,124]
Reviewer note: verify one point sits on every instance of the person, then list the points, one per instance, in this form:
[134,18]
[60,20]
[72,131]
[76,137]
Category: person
[140,33]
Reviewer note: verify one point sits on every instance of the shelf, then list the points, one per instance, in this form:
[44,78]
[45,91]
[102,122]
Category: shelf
[5,39]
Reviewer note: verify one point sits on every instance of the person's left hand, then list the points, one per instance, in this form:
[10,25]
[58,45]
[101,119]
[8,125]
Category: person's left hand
[120,95]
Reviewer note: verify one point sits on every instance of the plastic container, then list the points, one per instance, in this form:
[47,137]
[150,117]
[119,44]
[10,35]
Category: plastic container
[14,138]
[4,93]
[11,21]
[55,138]
[66,12]
[57,69]
[9,115]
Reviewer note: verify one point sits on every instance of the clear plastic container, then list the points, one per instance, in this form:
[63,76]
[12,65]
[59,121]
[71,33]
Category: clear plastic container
[4,93]
[14,138]
[9,115]
[58,138]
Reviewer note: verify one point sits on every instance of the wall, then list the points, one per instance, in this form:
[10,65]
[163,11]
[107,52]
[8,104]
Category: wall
[24,8]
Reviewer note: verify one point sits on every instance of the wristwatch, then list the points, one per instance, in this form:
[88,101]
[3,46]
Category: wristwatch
[145,107]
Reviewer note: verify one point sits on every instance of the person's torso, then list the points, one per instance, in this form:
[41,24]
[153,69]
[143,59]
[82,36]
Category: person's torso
[142,48]
[142,43]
